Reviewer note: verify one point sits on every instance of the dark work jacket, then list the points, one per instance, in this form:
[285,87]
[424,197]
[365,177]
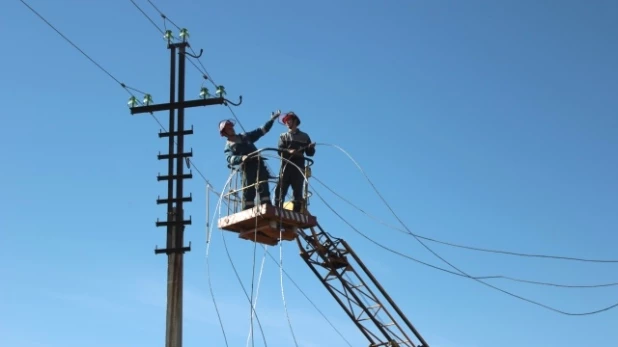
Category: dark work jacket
[243,144]
[295,140]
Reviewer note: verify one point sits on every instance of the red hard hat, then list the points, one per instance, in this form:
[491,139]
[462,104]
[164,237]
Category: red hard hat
[223,124]
[288,116]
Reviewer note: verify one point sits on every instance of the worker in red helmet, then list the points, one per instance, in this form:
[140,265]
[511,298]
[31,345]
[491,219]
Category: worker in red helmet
[237,149]
[293,145]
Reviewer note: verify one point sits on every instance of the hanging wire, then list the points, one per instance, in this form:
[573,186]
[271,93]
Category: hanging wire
[466,275]
[124,86]
[519,254]
[208,237]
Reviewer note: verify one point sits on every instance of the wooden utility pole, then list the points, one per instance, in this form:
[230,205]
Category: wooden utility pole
[175,221]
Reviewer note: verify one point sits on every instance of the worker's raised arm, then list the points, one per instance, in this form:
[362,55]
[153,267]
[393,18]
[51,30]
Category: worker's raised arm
[256,134]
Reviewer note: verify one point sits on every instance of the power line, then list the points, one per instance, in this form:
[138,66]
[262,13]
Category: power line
[250,299]
[312,303]
[478,278]
[551,284]
[203,70]
[127,88]
[461,273]
[479,249]
[204,73]
[163,15]
[471,277]
[148,17]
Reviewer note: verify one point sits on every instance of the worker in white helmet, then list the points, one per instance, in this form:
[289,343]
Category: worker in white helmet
[237,149]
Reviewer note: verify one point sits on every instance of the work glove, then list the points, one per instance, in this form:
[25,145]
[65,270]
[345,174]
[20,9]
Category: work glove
[274,115]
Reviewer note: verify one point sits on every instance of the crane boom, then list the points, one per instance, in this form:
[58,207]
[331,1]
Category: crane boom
[332,260]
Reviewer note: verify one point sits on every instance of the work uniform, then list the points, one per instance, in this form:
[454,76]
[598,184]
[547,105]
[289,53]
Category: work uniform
[290,174]
[253,169]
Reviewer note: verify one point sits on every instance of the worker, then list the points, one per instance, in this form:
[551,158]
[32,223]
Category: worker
[293,145]
[237,149]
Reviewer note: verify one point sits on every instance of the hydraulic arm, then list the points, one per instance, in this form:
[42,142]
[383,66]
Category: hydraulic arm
[336,264]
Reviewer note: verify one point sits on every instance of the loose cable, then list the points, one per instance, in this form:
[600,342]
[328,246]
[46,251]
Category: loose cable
[230,258]
[519,254]
[611,284]
[463,273]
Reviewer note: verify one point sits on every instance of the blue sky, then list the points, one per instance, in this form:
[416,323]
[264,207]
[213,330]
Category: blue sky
[489,124]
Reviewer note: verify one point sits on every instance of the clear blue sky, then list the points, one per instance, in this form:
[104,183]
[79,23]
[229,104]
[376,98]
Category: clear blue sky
[484,123]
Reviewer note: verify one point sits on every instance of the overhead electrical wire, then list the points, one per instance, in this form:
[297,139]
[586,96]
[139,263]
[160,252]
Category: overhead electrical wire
[123,85]
[552,284]
[463,273]
[147,17]
[252,303]
[208,244]
[610,284]
[476,277]
[251,300]
[208,278]
[202,70]
[488,250]
[166,19]
[257,292]
[281,263]
[234,170]
[481,277]
[260,275]
[488,277]
[311,302]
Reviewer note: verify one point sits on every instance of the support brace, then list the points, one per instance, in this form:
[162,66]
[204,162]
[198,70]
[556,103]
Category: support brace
[169,251]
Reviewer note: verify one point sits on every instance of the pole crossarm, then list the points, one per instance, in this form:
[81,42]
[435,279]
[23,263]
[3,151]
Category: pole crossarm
[177,105]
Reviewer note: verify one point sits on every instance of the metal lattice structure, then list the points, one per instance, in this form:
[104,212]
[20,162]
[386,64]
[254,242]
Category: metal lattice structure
[332,260]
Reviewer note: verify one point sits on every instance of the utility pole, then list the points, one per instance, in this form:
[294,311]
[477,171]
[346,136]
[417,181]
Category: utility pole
[175,221]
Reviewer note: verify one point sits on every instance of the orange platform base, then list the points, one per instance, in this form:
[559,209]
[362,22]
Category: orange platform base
[264,223]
